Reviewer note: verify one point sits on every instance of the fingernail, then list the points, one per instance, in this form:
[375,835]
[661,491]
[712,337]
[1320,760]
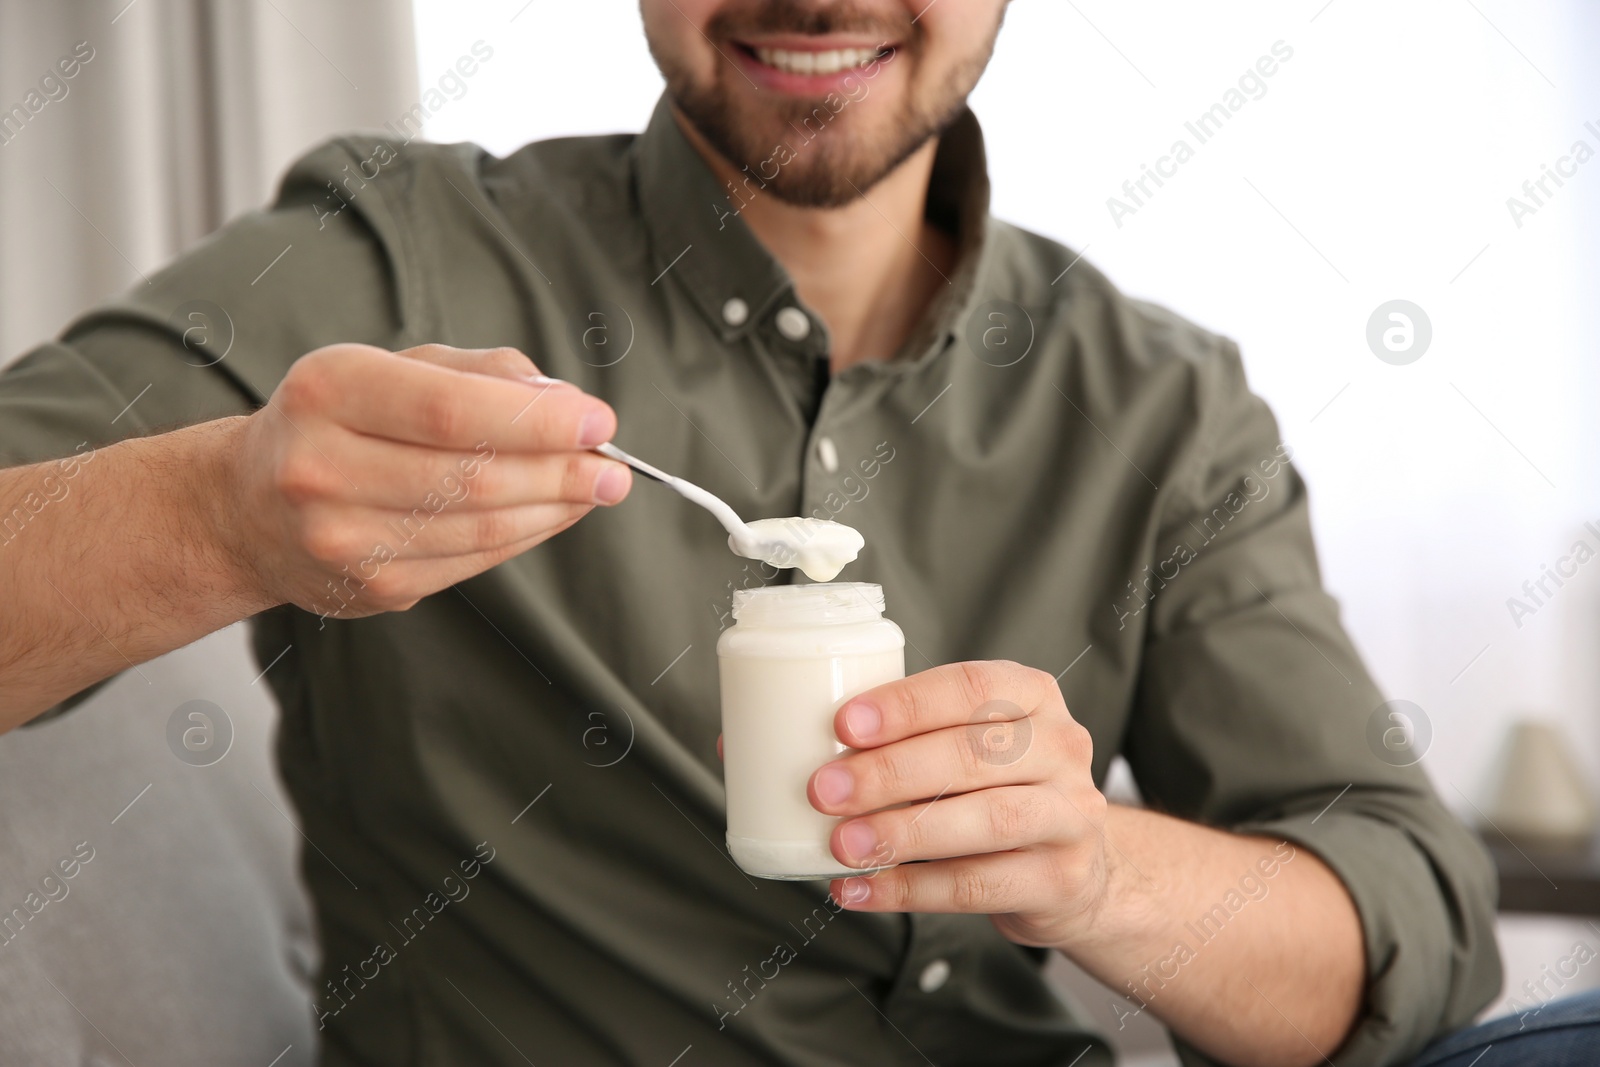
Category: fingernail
[540,379]
[855,891]
[864,720]
[594,430]
[858,840]
[612,485]
[834,785]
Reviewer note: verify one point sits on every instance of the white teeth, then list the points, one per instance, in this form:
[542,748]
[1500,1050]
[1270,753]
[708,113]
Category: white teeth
[830,62]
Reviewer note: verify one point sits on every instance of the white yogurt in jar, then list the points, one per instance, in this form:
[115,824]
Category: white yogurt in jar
[795,654]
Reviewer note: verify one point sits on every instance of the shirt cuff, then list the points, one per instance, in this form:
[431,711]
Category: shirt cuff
[1425,896]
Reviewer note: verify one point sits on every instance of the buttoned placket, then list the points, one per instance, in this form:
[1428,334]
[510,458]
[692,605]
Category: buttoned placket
[753,303]
[829,455]
[929,967]
[801,330]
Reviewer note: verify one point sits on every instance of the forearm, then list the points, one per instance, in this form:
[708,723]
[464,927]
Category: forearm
[112,561]
[1248,948]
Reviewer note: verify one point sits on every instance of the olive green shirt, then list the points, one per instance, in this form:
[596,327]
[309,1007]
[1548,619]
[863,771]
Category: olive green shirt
[513,789]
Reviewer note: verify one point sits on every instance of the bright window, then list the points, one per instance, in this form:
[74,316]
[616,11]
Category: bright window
[1373,164]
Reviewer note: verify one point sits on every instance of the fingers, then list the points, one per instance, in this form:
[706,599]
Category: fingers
[951,695]
[495,362]
[957,759]
[400,583]
[378,473]
[402,398]
[465,534]
[345,538]
[989,820]
[443,573]
[376,478]
[995,884]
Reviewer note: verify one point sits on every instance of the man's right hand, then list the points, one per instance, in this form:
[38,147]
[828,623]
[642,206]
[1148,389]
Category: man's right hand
[371,478]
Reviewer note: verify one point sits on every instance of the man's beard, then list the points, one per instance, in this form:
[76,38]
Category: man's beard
[829,158]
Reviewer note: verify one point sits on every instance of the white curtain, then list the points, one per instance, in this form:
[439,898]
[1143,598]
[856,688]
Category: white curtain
[128,131]
[186,114]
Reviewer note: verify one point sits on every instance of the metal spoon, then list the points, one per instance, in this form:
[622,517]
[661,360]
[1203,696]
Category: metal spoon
[795,543]
[729,518]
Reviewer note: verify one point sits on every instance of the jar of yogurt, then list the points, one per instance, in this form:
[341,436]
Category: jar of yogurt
[794,655]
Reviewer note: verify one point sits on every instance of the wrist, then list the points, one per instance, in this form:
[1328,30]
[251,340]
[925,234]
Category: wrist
[217,516]
[1127,911]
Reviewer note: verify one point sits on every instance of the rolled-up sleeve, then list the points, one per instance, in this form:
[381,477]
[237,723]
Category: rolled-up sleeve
[135,365]
[1253,714]
[64,400]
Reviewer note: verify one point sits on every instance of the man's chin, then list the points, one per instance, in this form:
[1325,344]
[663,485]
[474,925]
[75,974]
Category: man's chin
[804,164]
[825,189]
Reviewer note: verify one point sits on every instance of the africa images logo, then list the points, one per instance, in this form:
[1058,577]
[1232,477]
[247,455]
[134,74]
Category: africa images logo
[1399,733]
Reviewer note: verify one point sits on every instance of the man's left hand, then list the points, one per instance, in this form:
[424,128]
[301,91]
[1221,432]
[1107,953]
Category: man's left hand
[986,778]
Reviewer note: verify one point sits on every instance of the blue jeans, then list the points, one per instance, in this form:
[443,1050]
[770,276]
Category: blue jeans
[1563,1033]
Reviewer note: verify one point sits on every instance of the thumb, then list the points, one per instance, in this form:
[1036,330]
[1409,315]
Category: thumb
[502,362]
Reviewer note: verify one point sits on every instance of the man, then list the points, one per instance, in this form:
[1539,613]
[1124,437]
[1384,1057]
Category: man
[500,704]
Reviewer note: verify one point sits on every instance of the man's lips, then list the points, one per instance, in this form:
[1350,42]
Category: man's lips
[808,65]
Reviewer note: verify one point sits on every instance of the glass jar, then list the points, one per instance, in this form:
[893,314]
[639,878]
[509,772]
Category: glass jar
[794,655]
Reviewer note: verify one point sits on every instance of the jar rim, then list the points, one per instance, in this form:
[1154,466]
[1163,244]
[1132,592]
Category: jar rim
[808,604]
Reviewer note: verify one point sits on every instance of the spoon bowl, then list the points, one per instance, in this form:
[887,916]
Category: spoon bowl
[819,547]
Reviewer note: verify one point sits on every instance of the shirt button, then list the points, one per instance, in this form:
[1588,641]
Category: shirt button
[933,976]
[827,454]
[735,311]
[794,324]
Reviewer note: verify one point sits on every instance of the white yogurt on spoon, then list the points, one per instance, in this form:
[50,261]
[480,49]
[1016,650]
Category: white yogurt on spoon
[819,547]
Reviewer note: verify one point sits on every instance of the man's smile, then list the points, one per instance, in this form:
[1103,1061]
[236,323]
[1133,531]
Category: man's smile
[806,64]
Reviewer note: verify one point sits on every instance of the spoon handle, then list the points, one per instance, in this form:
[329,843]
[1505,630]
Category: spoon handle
[688,490]
[613,452]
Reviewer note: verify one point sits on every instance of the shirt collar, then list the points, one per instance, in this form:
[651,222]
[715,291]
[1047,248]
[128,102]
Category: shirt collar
[697,237]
